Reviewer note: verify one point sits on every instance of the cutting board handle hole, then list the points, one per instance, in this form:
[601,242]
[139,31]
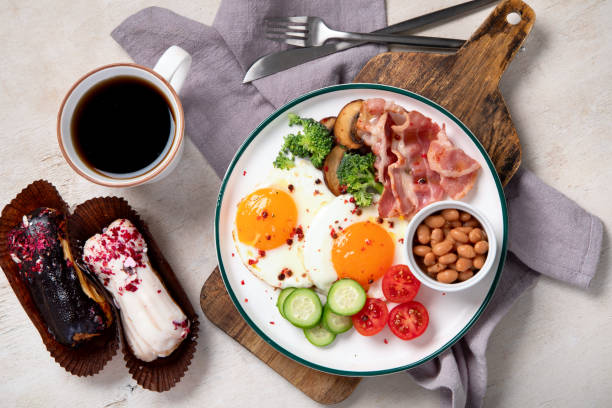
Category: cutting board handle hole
[513,18]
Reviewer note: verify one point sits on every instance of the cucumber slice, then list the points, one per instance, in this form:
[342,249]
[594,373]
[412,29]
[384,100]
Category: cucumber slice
[346,297]
[319,335]
[303,308]
[334,322]
[281,299]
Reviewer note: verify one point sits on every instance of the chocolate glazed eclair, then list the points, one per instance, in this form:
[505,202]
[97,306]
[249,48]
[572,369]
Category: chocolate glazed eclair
[71,307]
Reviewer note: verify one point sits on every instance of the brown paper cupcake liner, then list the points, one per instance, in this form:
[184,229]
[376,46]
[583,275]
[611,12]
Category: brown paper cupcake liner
[90,356]
[90,218]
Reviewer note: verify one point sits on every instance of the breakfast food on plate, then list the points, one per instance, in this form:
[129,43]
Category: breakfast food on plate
[451,246]
[70,305]
[408,320]
[344,238]
[272,221]
[415,160]
[345,131]
[153,323]
[345,241]
[314,143]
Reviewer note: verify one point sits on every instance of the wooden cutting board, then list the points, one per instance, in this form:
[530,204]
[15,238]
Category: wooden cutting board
[465,83]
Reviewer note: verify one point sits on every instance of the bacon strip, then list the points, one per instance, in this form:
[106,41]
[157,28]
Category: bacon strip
[458,187]
[415,160]
[449,160]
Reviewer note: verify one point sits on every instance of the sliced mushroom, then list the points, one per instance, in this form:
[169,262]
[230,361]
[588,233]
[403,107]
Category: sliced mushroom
[330,169]
[329,122]
[344,128]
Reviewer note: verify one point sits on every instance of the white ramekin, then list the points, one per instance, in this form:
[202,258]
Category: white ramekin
[461,206]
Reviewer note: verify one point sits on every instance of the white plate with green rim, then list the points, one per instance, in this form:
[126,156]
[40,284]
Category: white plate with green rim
[450,314]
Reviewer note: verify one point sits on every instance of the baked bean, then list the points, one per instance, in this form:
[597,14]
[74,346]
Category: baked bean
[429,259]
[481,247]
[436,268]
[450,214]
[434,242]
[446,231]
[476,235]
[471,223]
[447,276]
[465,216]
[463,264]
[442,248]
[452,266]
[435,221]
[432,275]
[448,258]
[465,251]
[437,234]
[421,250]
[465,275]
[459,236]
[465,230]
[450,238]
[423,234]
[478,261]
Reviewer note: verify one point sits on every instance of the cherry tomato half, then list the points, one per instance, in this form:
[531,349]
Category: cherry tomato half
[399,284]
[372,318]
[408,320]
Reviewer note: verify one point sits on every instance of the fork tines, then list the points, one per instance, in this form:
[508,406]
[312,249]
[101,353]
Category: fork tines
[289,30]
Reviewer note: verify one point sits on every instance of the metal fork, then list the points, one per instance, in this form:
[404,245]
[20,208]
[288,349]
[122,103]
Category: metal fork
[304,31]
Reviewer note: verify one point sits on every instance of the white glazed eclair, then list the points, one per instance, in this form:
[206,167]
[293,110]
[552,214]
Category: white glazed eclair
[153,323]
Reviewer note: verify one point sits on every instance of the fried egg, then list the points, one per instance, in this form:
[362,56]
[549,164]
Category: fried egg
[348,242]
[272,221]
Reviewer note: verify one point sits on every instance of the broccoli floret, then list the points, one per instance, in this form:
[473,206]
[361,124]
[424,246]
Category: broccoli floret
[314,142]
[318,142]
[283,161]
[356,173]
[293,145]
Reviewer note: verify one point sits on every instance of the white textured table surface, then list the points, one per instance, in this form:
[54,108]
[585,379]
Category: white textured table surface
[553,349]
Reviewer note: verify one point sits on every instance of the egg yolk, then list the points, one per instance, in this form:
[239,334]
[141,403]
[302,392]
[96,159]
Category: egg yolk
[363,251]
[266,218]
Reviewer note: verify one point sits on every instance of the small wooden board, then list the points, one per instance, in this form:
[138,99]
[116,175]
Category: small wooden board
[465,83]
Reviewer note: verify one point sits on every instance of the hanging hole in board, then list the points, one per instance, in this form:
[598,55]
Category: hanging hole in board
[513,18]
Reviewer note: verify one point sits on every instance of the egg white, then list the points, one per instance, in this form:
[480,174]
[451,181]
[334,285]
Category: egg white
[309,197]
[339,215]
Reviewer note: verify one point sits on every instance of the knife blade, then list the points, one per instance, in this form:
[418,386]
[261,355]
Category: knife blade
[282,60]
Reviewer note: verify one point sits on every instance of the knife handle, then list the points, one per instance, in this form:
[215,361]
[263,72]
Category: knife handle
[435,17]
[433,42]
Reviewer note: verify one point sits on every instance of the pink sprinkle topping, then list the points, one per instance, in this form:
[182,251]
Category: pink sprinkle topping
[181,325]
[133,285]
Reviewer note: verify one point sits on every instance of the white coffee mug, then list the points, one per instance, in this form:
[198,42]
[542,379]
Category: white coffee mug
[167,77]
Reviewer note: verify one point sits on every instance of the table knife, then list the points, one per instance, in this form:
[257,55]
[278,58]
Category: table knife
[282,60]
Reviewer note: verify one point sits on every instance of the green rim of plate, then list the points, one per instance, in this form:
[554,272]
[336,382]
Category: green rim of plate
[279,112]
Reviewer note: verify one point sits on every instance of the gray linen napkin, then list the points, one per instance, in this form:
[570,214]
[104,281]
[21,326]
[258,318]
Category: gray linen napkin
[220,113]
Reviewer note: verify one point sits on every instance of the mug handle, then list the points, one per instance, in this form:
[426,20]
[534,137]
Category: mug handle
[174,65]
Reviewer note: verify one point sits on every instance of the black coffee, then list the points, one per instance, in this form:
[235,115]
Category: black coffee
[122,125]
